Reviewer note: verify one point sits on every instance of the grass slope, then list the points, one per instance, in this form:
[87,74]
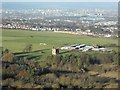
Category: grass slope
[15,40]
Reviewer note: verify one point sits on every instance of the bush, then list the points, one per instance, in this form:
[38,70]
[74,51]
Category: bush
[8,56]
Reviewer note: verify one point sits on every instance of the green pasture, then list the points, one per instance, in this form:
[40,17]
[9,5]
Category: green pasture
[16,40]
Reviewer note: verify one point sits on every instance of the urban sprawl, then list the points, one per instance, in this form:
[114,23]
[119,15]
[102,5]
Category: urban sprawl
[97,23]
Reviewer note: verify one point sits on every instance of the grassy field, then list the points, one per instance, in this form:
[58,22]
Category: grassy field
[16,40]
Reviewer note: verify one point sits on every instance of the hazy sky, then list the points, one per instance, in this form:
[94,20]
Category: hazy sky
[60,0]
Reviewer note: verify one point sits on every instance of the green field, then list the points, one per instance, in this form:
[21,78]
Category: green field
[16,40]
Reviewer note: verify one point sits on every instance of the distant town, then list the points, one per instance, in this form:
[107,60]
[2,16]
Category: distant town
[98,22]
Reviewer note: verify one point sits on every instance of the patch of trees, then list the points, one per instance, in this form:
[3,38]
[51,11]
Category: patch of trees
[76,62]
[21,73]
[8,56]
[60,71]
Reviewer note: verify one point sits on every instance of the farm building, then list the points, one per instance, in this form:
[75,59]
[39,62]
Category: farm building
[84,48]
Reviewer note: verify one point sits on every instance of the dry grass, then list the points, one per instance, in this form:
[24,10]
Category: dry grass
[110,65]
[115,85]
[92,73]
[112,74]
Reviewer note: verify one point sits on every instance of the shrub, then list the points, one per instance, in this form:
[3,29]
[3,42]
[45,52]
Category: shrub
[8,56]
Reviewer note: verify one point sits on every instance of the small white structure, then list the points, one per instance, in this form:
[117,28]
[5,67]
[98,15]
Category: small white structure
[96,49]
[108,35]
[86,48]
[43,44]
